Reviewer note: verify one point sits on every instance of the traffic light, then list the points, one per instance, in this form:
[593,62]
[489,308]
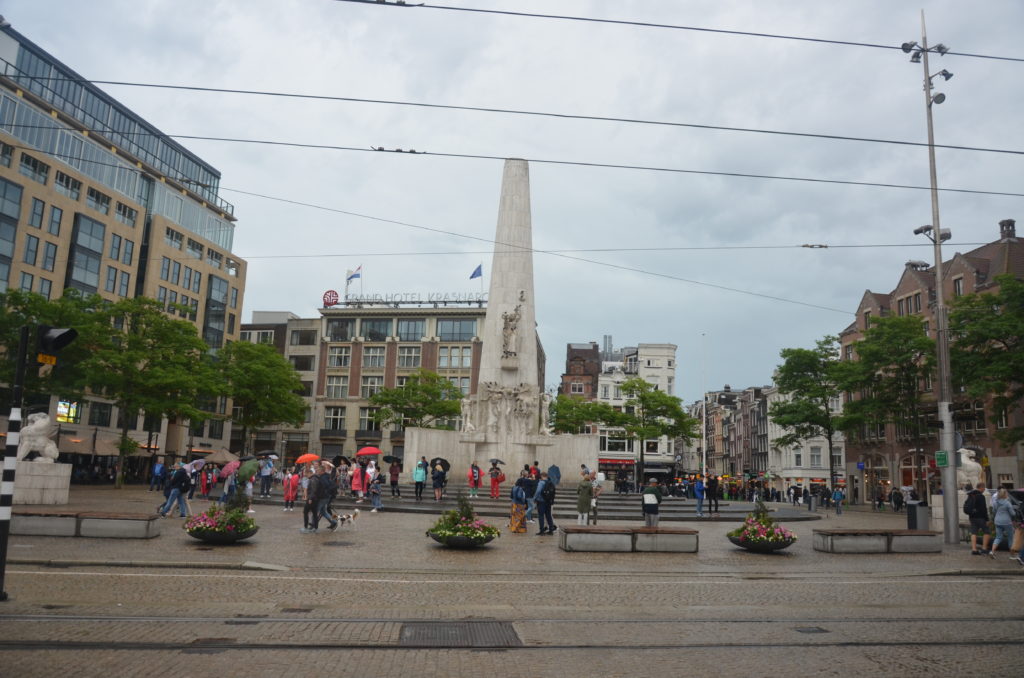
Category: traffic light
[50,340]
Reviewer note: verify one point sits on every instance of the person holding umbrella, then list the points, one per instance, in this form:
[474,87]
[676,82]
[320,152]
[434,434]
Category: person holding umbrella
[497,478]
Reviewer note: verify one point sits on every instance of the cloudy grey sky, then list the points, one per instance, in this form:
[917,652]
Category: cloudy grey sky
[643,220]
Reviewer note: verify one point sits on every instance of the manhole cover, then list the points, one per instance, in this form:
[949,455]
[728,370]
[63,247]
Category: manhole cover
[298,610]
[459,634]
[54,607]
[810,629]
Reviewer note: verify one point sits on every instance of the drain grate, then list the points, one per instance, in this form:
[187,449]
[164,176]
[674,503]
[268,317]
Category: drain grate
[296,609]
[459,634]
[810,629]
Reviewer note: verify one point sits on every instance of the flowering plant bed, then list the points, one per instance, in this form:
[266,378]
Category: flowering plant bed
[760,533]
[217,525]
[461,528]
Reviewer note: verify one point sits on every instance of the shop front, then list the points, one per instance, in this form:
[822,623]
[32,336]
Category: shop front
[621,472]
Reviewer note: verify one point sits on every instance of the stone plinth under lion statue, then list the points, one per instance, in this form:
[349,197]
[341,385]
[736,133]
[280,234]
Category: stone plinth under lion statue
[40,479]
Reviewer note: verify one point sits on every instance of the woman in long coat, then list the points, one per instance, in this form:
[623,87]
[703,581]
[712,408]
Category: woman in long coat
[584,495]
[358,480]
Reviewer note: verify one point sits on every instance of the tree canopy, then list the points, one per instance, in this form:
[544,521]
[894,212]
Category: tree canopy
[571,414]
[263,386]
[650,414]
[894,359]
[988,354]
[809,378]
[426,400]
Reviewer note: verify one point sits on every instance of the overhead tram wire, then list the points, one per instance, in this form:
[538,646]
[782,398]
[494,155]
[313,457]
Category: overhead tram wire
[548,161]
[606,264]
[649,24]
[543,114]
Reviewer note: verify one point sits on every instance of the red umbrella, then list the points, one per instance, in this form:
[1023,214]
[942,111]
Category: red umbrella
[306,458]
[229,468]
[368,452]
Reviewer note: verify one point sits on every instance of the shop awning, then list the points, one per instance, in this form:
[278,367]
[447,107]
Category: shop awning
[622,462]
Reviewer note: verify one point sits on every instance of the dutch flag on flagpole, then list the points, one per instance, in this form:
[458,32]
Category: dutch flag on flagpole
[352,275]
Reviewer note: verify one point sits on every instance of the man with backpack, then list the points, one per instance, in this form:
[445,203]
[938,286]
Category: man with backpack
[976,508]
[544,498]
[177,488]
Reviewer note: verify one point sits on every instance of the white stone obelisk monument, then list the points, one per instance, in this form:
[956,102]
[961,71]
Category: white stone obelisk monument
[506,417]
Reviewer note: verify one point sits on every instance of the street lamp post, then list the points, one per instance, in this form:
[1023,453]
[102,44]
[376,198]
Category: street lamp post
[951,517]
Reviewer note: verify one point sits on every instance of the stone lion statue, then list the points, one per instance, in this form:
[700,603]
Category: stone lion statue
[35,437]
[969,472]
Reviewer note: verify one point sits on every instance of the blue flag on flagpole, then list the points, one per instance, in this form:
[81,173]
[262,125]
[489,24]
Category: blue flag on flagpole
[478,272]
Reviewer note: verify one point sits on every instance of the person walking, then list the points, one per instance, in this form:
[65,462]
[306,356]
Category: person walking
[517,517]
[497,478]
[531,490]
[698,490]
[157,478]
[584,495]
[1003,512]
[711,493]
[375,495]
[437,480]
[266,477]
[308,489]
[290,486]
[597,489]
[325,490]
[177,488]
[419,476]
[976,509]
[475,477]
[544,498]
[394,473]
[650,501]
[358,474]
[837,499]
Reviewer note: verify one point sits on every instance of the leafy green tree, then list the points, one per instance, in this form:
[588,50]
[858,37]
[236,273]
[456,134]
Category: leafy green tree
[148,361]
[571,414]
[69,377]
[894,359]
[651,413]
[988,353]
[263,386]
[425,401]
[808,376]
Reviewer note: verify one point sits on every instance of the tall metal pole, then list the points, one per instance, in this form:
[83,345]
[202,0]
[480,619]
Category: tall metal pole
[950,512]
[704,405]
[11,455]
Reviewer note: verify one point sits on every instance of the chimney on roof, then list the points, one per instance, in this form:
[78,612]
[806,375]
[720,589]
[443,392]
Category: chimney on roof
[1007,230]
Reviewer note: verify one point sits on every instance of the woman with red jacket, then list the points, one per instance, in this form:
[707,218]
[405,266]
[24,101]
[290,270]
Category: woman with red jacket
[497,478]
[291,488]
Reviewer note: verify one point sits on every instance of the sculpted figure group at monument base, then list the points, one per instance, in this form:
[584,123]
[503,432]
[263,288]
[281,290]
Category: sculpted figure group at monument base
[507,409]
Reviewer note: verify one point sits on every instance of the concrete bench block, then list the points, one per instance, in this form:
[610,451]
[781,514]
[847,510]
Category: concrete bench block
[596,541]
[119,528]
[44,526]
[667,543]
[916,543]
[851,543]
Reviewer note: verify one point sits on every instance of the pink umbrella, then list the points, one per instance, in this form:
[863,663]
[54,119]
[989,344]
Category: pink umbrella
[368,452]
[230,468]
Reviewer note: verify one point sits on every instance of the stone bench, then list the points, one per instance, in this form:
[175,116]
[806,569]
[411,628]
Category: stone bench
[877,541]
[57,523]
[628,539]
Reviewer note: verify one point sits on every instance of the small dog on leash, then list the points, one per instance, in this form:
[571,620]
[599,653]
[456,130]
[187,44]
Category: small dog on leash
[346,518]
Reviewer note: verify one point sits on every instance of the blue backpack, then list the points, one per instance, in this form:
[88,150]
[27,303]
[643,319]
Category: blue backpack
[518,494]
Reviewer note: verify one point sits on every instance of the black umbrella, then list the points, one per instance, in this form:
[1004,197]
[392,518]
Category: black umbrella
[554,474]
[392,459]
[497,461]
[247,457]
[445,464]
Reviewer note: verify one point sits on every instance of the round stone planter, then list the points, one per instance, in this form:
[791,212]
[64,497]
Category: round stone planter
[761,546]
[459,542]
[211,537]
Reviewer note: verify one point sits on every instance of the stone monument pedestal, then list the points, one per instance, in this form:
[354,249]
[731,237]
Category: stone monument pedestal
[937,505]
[41,483]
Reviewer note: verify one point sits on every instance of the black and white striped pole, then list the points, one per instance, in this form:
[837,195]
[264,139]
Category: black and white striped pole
[11,456]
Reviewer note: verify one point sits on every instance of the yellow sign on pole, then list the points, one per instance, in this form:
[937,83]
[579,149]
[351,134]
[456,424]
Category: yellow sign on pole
[46,359]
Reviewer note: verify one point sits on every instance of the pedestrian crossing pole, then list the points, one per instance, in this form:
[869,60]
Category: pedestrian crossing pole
[11,456]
